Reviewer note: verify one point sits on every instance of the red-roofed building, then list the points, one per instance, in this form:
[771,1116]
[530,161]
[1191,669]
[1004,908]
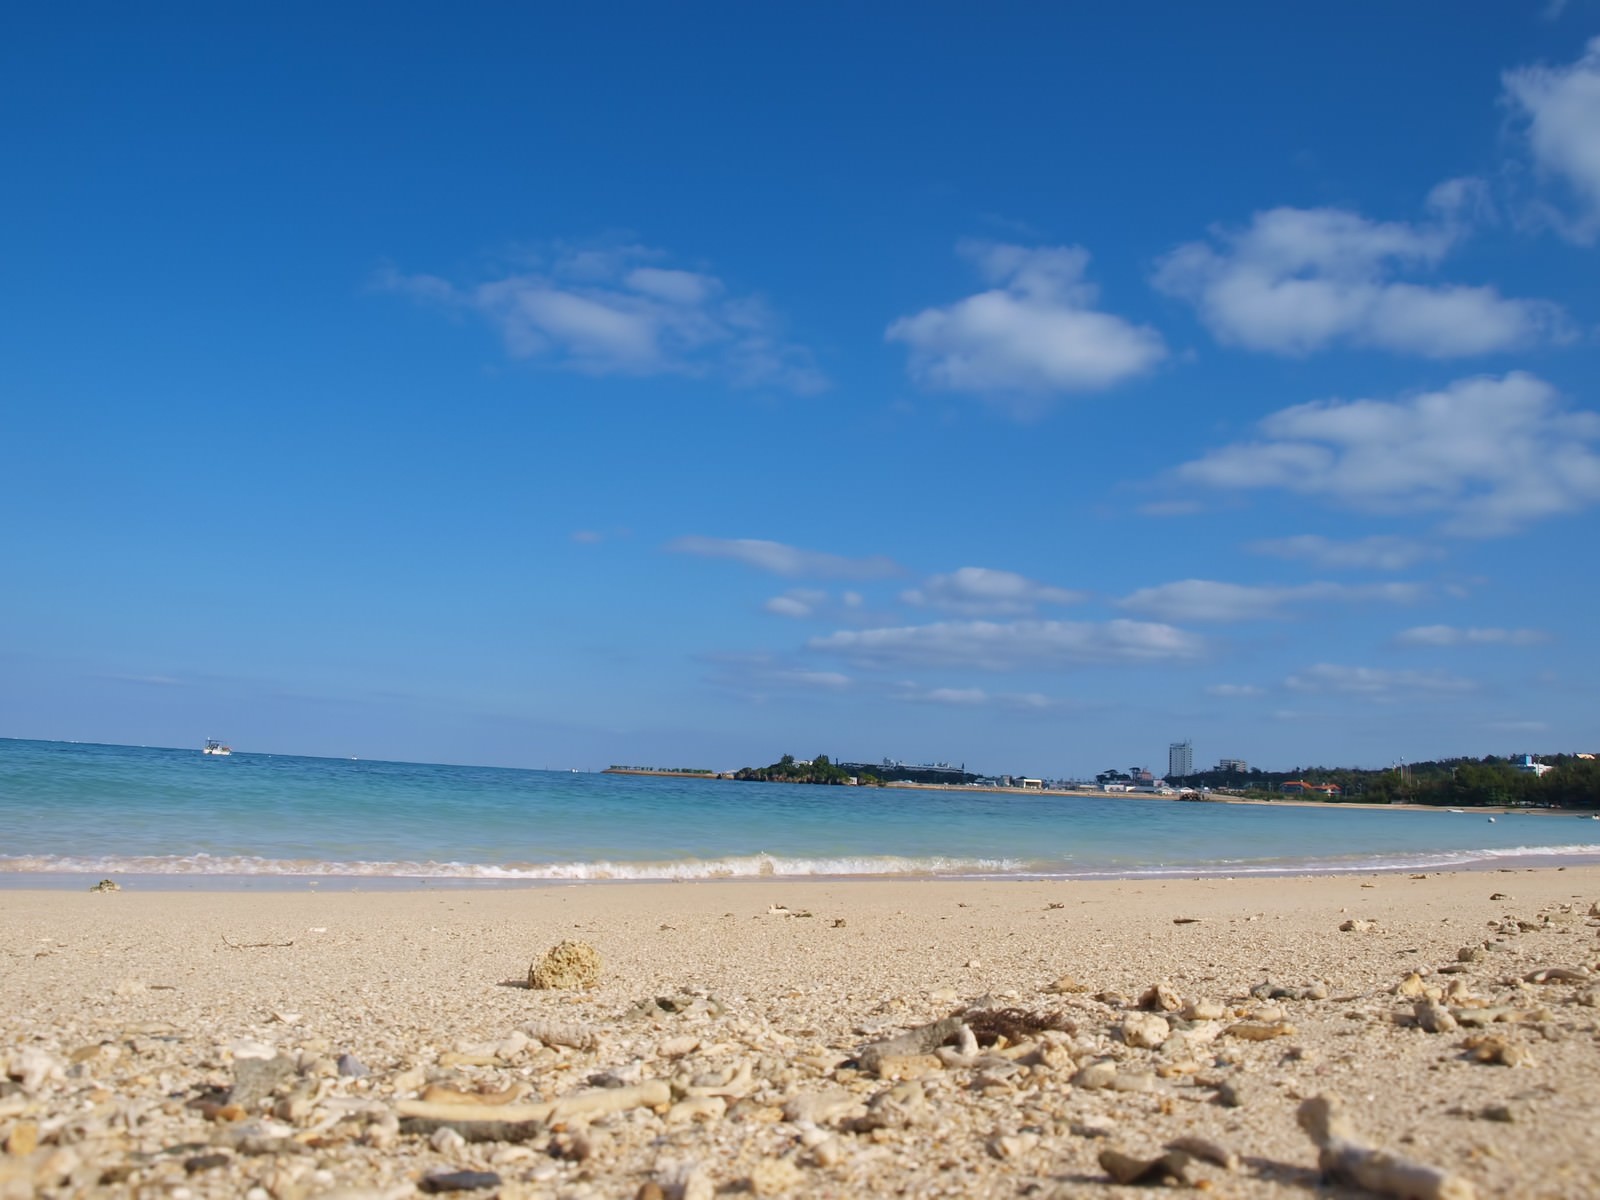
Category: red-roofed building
[1300,787]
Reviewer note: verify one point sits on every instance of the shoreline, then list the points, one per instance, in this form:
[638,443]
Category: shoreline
[12,882]
[164,1040]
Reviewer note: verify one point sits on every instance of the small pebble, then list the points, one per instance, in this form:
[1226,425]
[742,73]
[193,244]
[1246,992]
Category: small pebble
[352,1067]
[458,1181]
[1234,1093]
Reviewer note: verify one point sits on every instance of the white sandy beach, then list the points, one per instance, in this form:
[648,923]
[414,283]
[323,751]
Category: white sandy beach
[125,1018]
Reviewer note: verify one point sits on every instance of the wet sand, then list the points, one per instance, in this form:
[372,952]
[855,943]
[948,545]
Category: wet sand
[172,1043]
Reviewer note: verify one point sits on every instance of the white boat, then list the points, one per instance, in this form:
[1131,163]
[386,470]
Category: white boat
[213,746]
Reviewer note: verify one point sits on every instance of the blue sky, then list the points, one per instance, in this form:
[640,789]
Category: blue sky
[1022,385]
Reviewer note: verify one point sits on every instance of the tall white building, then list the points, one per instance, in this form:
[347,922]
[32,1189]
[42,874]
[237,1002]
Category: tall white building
[1180,759]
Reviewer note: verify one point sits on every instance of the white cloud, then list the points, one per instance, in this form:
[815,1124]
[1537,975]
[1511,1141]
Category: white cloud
[1234,691]
[1449,635]
[1299,280]
[1490,453]
[1561,107]
[797,603]
[1034,332]
[1006,646]
[814,604]
[1377,683]
[982,591]
[1210,600]
[780,559]
[610,311]
[588,537]
[1380,552]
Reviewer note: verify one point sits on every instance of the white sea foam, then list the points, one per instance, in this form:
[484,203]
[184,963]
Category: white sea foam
[761,866]
[749,867]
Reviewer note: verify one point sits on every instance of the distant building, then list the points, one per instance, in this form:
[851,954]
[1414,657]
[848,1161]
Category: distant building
[1528,767]
[1180,759]
[1233,764]
[1141,775]
[1301,787]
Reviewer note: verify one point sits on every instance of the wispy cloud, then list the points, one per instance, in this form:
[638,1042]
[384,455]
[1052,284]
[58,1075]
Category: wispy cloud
[619,310]
[1210,600]
[1450,635]
[780,559]
[1560,111]
[983,591]
[1299,280]
[1517,726]
[1172,508]
[912,693]
[797,603]
[1035,332]
[1234,691]
[813,604]
[1377,683]
[761,675]
[1007,646]
[830,680]
[1379,553]
[1490,453]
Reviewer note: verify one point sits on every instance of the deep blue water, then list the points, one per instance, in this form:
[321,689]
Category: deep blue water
[69,808]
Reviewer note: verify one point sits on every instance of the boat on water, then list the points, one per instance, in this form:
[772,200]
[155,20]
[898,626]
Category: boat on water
[215,747]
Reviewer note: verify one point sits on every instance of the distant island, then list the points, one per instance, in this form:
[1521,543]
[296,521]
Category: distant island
[823,769]
[789,769]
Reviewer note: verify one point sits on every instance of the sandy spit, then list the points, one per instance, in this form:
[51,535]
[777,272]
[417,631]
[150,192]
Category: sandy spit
[282,1044]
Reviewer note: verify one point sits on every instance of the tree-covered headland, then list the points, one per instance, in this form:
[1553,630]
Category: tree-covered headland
[788,769]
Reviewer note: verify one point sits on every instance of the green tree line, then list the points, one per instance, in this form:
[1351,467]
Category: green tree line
[787,770]
[1452,782]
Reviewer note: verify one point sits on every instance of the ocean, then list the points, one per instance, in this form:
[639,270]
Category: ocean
[177,818]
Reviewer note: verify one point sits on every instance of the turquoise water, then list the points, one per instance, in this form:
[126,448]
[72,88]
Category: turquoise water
[72,809]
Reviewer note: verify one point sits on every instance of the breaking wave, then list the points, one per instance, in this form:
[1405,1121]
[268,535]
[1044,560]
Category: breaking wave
[757,866]
[770,866]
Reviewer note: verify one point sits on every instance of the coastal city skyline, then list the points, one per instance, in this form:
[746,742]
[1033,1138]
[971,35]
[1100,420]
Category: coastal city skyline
[563,388]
